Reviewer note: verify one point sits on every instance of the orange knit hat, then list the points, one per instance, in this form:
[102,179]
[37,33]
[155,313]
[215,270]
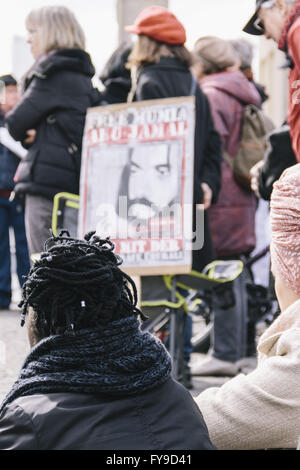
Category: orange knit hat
[160,24]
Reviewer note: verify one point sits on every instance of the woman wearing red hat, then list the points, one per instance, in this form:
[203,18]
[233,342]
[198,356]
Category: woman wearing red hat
[160,66]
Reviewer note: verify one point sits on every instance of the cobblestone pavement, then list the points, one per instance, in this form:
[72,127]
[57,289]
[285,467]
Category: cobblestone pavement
[13,349]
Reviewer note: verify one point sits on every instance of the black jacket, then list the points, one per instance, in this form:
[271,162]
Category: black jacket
[170,78]
[8,164]
[58,92]
[116,77]
[278,157]
[165,418]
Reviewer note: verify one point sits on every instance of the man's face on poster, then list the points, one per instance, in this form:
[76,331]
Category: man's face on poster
[153,180]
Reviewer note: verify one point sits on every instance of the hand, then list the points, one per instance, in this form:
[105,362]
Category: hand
[31,137]
[254,173]
[207,195]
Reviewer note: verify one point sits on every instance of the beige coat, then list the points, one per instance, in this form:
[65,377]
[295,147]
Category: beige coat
[261,410]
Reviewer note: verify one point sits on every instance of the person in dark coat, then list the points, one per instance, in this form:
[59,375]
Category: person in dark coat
[278,157]
[11,212]
[93,380]
[50,116]
[160,66]
[115,76]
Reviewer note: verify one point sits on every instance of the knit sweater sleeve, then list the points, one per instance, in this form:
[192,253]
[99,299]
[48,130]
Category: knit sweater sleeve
[260,410]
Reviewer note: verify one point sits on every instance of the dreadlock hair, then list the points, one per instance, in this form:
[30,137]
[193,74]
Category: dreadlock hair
[77,284]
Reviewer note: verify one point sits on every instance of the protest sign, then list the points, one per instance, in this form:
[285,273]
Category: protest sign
[137,182]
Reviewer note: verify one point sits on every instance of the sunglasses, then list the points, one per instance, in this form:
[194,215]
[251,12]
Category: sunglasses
[258,24]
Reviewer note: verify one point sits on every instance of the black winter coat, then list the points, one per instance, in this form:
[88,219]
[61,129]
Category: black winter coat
[278,157]
[171,78]
[165,418]
[58,92]
[116,77]
[8,165]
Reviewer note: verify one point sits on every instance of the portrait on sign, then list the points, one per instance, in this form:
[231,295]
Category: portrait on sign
[137,181]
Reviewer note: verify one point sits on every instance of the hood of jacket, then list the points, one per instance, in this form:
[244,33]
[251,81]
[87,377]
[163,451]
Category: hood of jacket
[115,77]
[234,84]
[115,68]
[74,60]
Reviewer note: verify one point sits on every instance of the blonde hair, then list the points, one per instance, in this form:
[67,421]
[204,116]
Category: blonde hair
[148,50]
[57,28]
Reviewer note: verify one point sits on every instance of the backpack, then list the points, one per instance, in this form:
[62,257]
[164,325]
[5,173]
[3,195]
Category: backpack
[256,127]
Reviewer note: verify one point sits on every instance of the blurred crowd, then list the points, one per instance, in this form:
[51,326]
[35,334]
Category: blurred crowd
[240,158]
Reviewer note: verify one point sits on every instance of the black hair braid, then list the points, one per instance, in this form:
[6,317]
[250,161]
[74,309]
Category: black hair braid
[77,284]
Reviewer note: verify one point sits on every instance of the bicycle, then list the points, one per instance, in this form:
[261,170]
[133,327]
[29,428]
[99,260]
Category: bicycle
[177,297]
[168,319]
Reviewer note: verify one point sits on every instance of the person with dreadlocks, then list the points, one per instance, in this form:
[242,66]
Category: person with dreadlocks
[93,380]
